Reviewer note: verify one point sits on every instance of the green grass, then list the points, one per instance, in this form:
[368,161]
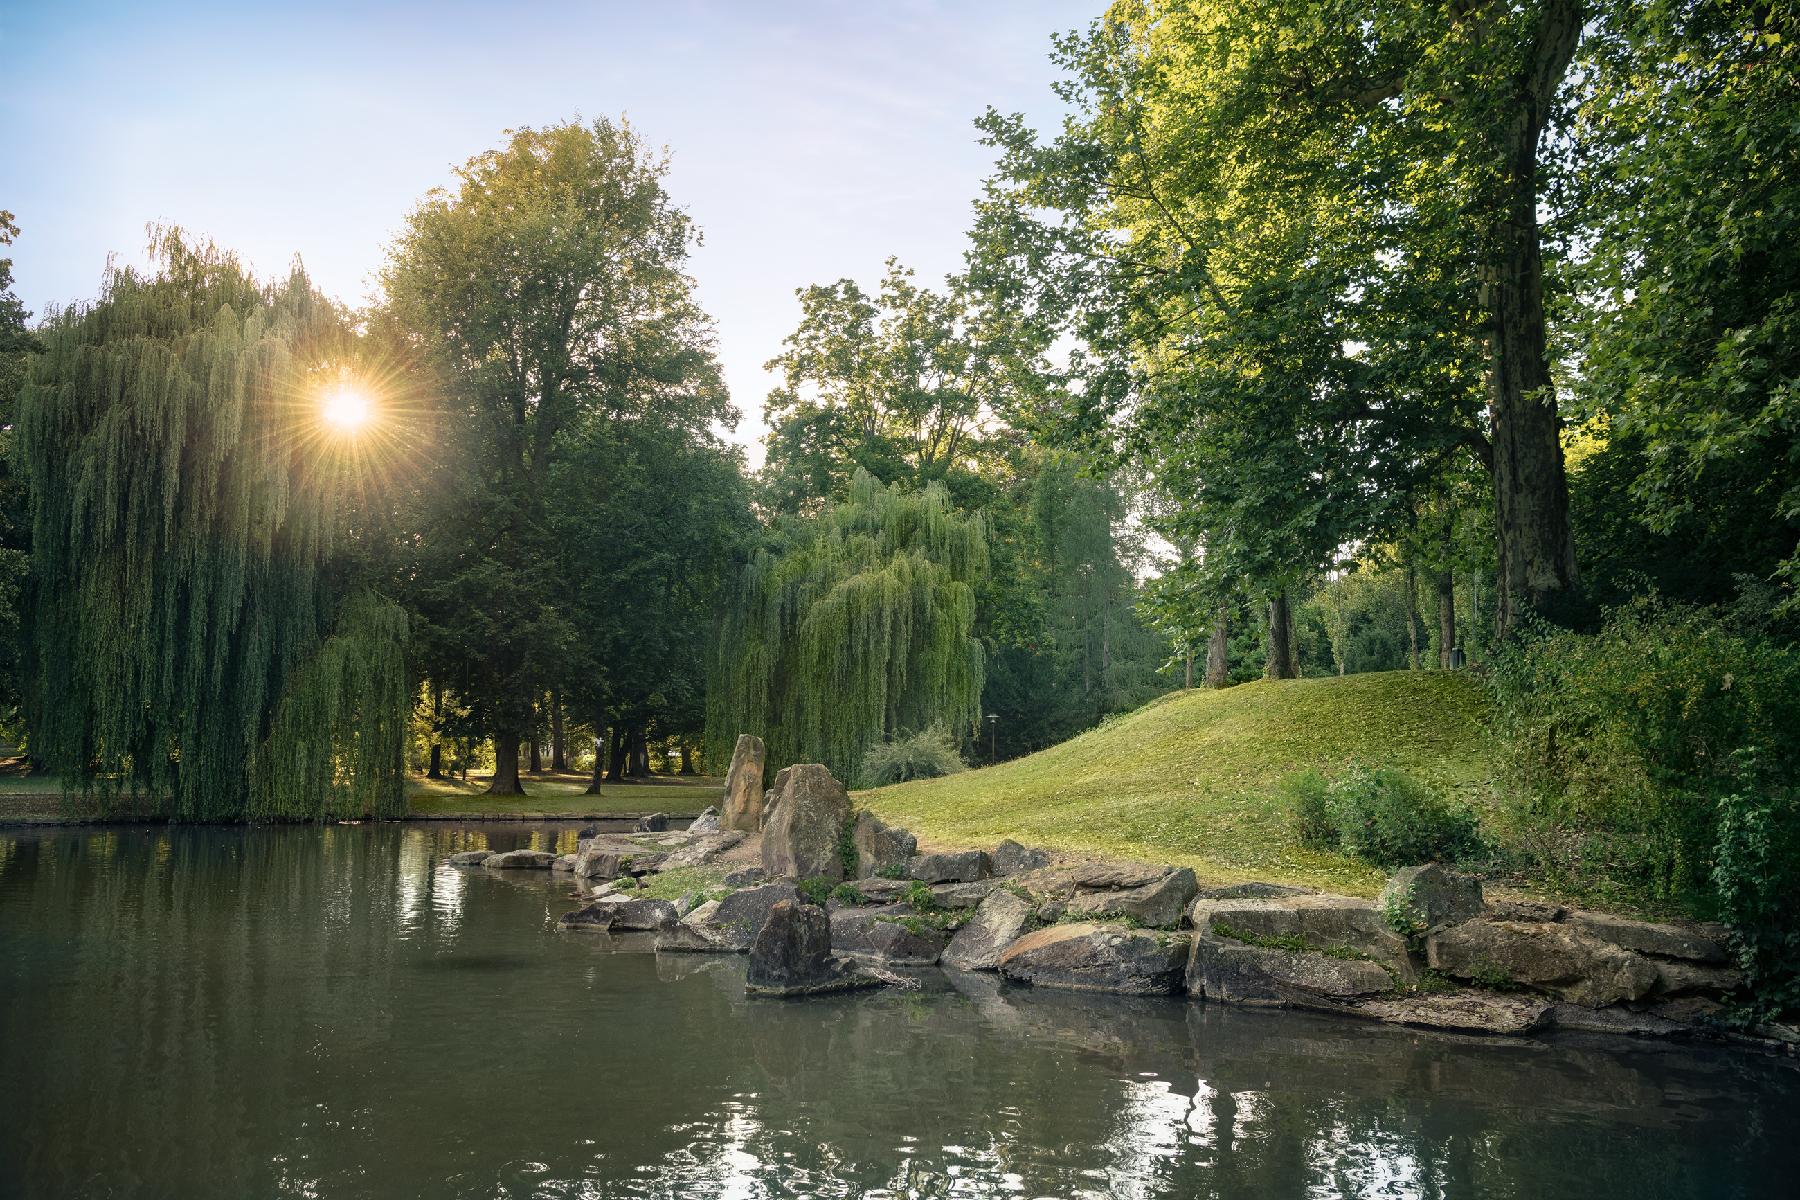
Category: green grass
[562,795]
[1189,779]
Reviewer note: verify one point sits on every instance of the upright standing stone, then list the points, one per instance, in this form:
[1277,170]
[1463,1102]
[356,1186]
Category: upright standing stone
[744,785]
[791,955]
[803,835]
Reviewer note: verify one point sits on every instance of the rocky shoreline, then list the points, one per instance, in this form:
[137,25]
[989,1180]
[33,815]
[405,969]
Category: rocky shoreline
[828,898]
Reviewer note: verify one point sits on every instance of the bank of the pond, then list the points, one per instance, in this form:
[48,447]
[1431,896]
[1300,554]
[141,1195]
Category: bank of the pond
[219,1012]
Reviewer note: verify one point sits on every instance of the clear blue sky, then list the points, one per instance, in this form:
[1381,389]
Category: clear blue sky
[810,139]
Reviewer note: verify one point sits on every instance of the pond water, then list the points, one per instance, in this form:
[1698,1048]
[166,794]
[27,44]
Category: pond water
[333,1013]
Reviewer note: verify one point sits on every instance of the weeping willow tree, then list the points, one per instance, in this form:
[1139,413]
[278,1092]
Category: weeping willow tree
[195,644]
[857,626]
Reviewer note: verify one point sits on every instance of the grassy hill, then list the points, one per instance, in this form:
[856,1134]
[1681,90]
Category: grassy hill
[1189,778]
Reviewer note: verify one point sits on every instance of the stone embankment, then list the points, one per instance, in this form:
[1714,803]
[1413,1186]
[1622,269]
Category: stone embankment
[837,898]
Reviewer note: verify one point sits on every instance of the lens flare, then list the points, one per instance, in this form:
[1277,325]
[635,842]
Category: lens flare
[346,409]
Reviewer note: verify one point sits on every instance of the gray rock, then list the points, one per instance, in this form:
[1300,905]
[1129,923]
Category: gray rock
[741,914]
[882,891]
[1320,922]
[1239,973]
[791,955]
[880,847]
[596,863]
[743,808]
[1615,1020]
[1159,905]
[1557,959]
[564,862]
[892,933]
[703,849]
[613,913]
[962,866]
[520,860]
[1253,891]
[1010,858]
[696,933]
[1431,897]
[1676,978]
[963,895]
[997,924]
[469,858]
[1464,1012]
[1068,879]
[1690,943]
[748,877]
[706,822]
[802,834]
[654,823]
[1098,958]
[1524,910]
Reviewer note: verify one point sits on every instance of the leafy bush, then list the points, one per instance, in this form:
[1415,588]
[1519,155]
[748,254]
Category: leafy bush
[1381,816]
[1619,747]
[926,754]
[815,891]
[1756,878]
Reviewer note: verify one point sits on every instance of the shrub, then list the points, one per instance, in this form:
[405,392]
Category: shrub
[1756,878]
[926,754]
[1383,817]
[815,891]
[1619,746]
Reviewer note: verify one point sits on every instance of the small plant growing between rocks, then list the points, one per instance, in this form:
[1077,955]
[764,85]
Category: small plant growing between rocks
[1402,917]
[892,871]
[815,891]
[849,894]
[847,847]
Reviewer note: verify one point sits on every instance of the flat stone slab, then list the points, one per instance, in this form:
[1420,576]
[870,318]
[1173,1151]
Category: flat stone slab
[1464,1012]
[469,858]
[703,849]
[1239,973]
[1689,943]
[1160,905]
[1554,958]
[613,913]
[1321,922]
[1098,957]
[963,895]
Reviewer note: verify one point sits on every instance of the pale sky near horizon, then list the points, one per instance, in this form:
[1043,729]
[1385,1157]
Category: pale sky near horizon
[810,139]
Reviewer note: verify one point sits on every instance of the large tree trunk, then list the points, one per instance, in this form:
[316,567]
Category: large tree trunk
[1218,650]
[436,770]
[559,746]
[506,766]
[1446,600]
[687,759]
[537,755]
[1412,617]
[1280,663]
[1536,548]
[640,755]
[593,787]
[615,758]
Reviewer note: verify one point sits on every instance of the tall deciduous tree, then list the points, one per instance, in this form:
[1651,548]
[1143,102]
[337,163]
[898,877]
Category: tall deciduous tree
[853,626]
[17,345]
[196,638]
[547,289]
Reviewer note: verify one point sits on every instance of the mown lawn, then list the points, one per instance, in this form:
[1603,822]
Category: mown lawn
[563,795]
[1189,779]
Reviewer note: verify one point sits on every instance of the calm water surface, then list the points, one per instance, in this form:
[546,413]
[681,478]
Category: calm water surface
[333,1013]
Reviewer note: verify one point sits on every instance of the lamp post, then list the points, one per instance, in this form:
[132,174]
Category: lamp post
[993,726]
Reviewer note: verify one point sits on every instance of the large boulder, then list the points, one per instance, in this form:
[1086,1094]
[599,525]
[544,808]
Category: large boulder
[881,848]
[653,823]
[744,786]
[893,933]
[598,863]
[1098,957]
[962,866]
[614,913]
[703,849]
[1339,924]
[469,858]
[741,914]
[696,933]
[1430,897]
[1553,958]
[520,860]
[961,895]
[1240,973]
[706,822]
[997,924]
[791,955]
[1252,891]
[1159,905]
[803,833]
[1011,858]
